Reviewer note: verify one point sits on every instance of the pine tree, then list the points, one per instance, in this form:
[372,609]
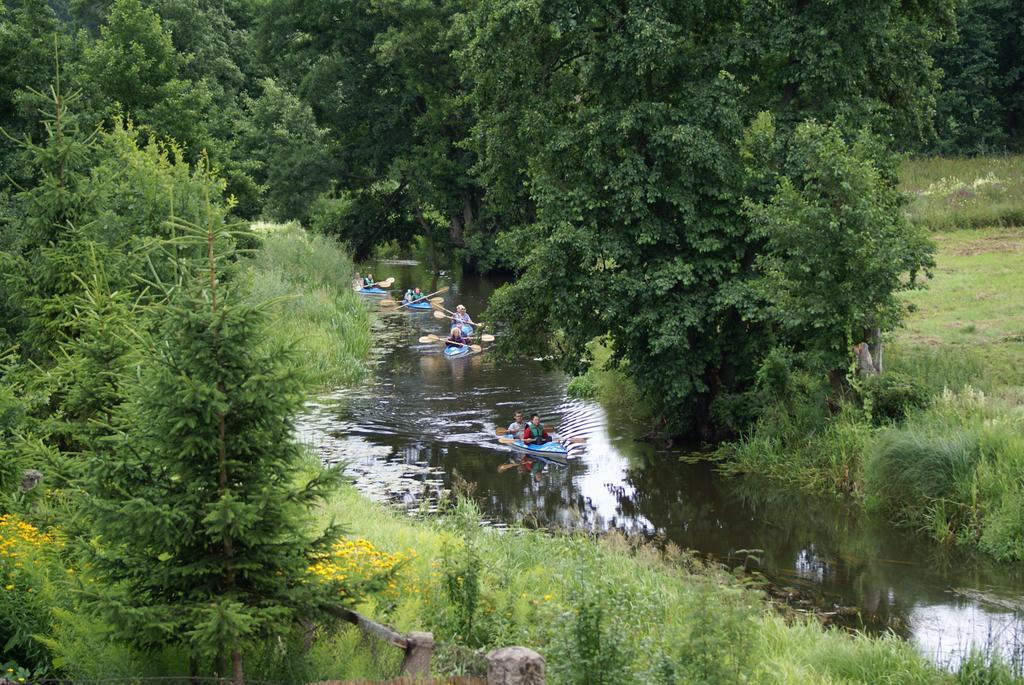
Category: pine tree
[202,521]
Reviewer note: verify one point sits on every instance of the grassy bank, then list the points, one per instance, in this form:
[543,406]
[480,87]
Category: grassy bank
[965,192]
[937,446]
[307,278]
[612,610]
[605,611]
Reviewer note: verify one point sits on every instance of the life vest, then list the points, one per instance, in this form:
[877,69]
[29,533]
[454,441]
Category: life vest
[367,281]
[410,296]
[535,431]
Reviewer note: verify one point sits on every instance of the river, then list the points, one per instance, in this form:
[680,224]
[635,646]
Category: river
[427,421]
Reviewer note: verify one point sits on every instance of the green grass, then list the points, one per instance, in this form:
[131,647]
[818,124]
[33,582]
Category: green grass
[307,277]
[957,193]
[612,610]
[975,296]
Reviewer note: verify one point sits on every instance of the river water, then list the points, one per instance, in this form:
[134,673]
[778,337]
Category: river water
[427,421]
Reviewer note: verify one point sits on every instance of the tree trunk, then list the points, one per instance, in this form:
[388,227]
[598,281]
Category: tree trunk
[455,232]
[875,348]
[237,671]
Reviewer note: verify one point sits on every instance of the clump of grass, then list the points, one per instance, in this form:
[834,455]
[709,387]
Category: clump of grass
[307,279]
[953,472]
[957,193]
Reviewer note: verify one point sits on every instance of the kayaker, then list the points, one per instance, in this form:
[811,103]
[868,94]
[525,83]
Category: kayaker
[357,282]
[516,428]
[368,281]
[535,433]
[456,338]
[413,295]
[462,316]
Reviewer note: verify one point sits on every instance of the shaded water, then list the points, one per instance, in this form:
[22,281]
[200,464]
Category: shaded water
[428,420]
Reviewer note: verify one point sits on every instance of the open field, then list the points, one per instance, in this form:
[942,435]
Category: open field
[967,327]
[956,193]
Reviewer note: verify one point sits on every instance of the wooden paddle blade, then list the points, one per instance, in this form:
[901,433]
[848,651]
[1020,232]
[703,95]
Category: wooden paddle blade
[437,300]
[500,431]
[387,282]
[487,337]
[388,303]
[506,441]
[476,348]
[505,467]
[429,339]
[439,315]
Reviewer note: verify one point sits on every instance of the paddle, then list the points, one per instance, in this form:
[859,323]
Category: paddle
[434,338]
[392,303]
[439,315]
[504,431]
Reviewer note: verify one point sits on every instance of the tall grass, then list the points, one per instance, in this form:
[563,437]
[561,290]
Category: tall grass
[612,610]
[307,278]
[955,193]
[954,472]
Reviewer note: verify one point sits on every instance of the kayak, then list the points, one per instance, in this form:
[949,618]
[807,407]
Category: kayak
[372,291]
[422,305]
[551,451]
[456,351]
[467,330]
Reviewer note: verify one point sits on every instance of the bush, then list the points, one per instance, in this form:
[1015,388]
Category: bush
[892,396]
[28,568]
[584,386]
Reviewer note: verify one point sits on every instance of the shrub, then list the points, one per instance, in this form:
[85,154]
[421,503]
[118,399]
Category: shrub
[583,386]
[892,396]
[28,566]
[356,570]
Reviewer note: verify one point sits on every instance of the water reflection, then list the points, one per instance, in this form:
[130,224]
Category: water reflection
[428,418]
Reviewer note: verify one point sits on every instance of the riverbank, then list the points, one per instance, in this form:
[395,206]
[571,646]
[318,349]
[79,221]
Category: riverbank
[609,609]
[305,279]
[937,443]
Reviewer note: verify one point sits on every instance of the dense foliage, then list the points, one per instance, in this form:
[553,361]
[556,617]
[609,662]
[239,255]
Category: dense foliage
[703,192]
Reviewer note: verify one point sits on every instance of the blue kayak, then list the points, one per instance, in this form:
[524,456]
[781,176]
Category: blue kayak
[456,351]
[467,330]
[372,291]
[551,451]
[422,305]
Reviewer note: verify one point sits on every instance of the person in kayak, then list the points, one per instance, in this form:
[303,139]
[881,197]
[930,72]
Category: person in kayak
[518,425]
[357,282]
[413,295]
[462,316]
[535,433]
[456,338]
[368,282]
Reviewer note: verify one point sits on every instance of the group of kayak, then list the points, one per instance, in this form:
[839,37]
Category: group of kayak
[530,438]
[459,341]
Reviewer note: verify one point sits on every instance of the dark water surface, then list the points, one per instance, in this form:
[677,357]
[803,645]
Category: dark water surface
[428,420]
